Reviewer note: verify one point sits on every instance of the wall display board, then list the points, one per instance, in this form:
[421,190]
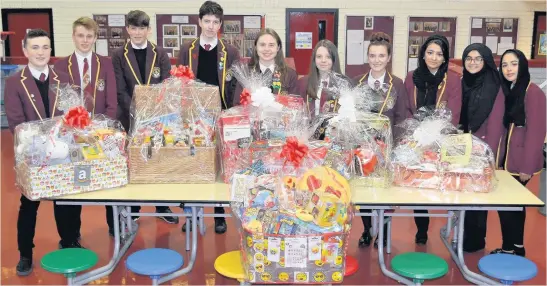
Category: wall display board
[421,28]
[112,33]
[358,32]
[499,34]
[174,30]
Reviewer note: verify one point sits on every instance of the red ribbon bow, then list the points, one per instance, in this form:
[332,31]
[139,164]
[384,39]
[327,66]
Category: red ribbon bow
[182,72]
[294,152]
[77,117]
[245,97]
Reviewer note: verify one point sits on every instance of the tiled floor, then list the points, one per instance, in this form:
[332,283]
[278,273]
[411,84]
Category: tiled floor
[156,233]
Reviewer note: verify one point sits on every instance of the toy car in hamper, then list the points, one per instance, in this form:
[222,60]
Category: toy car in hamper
[434,154]
[294,217]
[69,154]
[173,131]
[259,124]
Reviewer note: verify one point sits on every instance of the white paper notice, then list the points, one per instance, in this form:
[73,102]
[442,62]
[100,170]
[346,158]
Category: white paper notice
[476,39]
[476,23]
[251,22]
[304,40]
[356,36]
[101,47]
[492,43]
[412,64]
[508,40]
[235,132]
[502,47]
[356,54]
[314,243]
[296,252]
[240,184]
[274,249]
[365,51]
[116,20]
[179,19]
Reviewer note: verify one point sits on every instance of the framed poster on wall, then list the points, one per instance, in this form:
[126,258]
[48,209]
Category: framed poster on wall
[112,33]
[174,30]
[358,32]
[499,34]
[421,28]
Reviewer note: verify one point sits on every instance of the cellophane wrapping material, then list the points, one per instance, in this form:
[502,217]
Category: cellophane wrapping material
[359,129]
[69,154]
[433,154]
[173,131]
[294,216]
[259,125]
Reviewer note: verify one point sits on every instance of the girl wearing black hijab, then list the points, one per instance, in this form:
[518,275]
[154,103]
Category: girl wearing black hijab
[430,85]
[482,115]
[521,152]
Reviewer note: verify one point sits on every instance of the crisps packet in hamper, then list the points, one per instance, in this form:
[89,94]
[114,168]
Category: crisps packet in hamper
[294,218]
[173,131]
[71,153]
[434,154]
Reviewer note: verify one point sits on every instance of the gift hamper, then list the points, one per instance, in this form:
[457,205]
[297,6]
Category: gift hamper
[69,154]
[433,154]
[259,124]
[173,131]
[294,215]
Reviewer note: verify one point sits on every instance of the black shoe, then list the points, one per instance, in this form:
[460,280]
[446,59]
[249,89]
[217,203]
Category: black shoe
[220,225]
[111,231]
[469,248]
[421,238]
[24,267]
[189,222]
[376,242]
[516,251]
[168,219]
[75,244]
[365,239]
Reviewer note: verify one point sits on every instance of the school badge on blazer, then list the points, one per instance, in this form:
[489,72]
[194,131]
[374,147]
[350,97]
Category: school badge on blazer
[100,84]
[156,72]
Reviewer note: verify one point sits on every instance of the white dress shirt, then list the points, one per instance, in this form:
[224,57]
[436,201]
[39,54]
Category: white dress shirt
[80,58]
[36,73]
[371,80]
[319,91]
[270,67]
[203,41]
[139,47]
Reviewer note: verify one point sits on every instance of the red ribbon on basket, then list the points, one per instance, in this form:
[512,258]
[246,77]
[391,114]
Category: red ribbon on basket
[245,97]
[183,73]
[77,117]
[294,152]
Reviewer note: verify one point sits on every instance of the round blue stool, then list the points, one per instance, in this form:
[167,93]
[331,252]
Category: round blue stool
[508,267]
[154,262]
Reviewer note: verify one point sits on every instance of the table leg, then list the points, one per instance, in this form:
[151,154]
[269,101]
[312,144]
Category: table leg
[188,233]
[201,222]
[383,266]
[116,256]
[193,253]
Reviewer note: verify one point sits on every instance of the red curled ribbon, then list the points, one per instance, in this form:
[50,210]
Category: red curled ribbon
[183,73]
[245,97]
[77,117]
[294,152]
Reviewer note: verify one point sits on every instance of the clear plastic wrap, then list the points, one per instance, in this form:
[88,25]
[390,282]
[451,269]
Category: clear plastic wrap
[69,154]
[173,131]
[432,153]
[294,216]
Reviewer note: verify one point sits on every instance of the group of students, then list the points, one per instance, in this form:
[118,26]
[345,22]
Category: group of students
[503,108]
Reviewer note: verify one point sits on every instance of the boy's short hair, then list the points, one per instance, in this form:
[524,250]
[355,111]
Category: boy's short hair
[34,33]
[137,18]
[211,8]
[87,23]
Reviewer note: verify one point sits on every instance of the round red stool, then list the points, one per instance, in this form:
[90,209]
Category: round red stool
[351,265]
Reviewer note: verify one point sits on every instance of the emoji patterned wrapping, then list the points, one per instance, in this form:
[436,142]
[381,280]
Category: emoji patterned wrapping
[432,153]
[69,154]
[172,133]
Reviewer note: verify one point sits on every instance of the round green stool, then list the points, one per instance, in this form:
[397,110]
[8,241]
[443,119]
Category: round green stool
[419,266]
[69,261]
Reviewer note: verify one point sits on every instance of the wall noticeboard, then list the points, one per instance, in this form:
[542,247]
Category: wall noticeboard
[112,33]
[499,34]
[358,32]
[174,30]
[421,28]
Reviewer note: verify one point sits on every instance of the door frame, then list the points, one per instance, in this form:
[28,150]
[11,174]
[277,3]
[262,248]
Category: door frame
[7,11]
[537,14]
[288,12]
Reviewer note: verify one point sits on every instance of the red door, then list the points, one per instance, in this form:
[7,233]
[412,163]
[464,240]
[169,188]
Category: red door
[19,20]
[305,28]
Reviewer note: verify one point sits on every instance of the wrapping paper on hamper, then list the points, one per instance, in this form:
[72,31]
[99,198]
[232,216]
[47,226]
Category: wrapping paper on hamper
[294,215]
[259,124]
[358,128]
[172,131]
[69,154]
[432,153]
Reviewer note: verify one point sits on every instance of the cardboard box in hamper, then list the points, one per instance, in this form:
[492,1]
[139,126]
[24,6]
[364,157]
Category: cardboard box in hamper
[175,164]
